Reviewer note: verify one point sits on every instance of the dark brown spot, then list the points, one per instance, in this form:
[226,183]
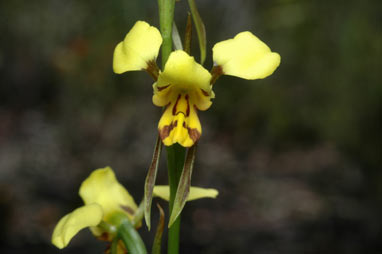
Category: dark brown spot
[175,105]
[216,72]
[128,209]
[188,106]
[165,131]
[103,237]
[194,134]
[204,92]
[161,88]
[152,69]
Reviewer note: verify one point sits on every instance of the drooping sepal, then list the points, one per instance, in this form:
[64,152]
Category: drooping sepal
[150,181]
[183,186]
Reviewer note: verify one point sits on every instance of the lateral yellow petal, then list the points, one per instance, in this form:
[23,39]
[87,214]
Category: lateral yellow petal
[163,192]
[102,187]
[184,73]
[85,216]
[245,56]
[163,95]
[140,46]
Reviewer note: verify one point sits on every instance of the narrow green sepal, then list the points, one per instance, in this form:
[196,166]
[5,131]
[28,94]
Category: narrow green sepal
[188,35]
[200,30]
[158,235]
[184,185]
[176,37]
[150,181]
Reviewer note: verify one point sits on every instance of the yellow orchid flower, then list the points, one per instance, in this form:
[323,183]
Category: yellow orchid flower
[184,86]
[104,197]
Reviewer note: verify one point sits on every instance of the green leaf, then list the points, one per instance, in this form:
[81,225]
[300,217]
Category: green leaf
[158,235]
[184,185]
[150,181]
[200,30]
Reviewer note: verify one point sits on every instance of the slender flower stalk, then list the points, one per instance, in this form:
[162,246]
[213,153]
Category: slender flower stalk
[175,153]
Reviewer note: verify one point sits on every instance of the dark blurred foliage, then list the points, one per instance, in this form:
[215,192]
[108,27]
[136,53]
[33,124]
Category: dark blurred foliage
[296,156]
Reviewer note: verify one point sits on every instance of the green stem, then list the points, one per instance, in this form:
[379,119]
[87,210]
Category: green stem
[175,153]
[130,237]
[114,246]
[175,162]
[166,17]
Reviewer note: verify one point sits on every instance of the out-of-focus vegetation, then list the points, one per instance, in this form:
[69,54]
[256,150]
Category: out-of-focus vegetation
[296,157]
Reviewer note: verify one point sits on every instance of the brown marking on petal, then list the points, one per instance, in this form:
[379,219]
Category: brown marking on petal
[104,236]
[204,92]
[188,106]
[165,131]
[175,105]
[152,69]
[128,209]
[121,247]
[216,72]
[194,134]
[161,88]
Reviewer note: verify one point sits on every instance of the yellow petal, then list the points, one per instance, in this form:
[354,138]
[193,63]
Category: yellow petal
[102,187]
[140,46]
[85,216]
[245,56]
[180,123]
[184,73]
[163,95]
[163,192]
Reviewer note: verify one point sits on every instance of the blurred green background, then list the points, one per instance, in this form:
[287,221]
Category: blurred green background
[296,157]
